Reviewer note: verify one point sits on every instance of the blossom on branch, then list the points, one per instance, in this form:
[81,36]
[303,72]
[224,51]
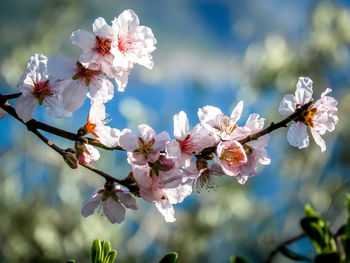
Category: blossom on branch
[218,124]
[37,89]
[113,199]
[188,144]
[146,148]
[97,49]
[95,125]
[320,117]
[76,80]
[134,43]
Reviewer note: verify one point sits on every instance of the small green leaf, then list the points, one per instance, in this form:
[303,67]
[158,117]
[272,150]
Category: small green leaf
[314,232]
[96,251]
[170,258]
[111,257]
[348,196]
[346,245]
[293,255]
[309,212]
[71,261]
[332,257]
[238,259]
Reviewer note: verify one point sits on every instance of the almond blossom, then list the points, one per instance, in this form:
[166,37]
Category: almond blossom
[113,200]
[134,43]
[188,144]
[230,155]
[163,185]
[320,117]
[255,149]
[77,78]
[147,147]
[218,124]
[95,125]
[96,48]
[37,89]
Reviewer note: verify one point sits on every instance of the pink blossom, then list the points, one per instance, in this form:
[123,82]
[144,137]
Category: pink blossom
[113,201]
[96,48]
[134,43]
[218,124]
[230,155]
[96,125]
[320,117]
[147,147]
[77,78]
[255,149]
[88,154]
[188,144]
[37,89]
[163,186]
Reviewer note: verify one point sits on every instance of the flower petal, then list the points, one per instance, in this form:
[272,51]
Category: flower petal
[91,204]
[127,200]
[61,67]
[166,209]
[128,140]
[114,211]
[287,105]
[181,128]
[303,94]
[25,107]
[83,39]
[318,139]
[236,113]
[297,135]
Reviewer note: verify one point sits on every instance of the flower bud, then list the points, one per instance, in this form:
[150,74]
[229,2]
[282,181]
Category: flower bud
[71,160]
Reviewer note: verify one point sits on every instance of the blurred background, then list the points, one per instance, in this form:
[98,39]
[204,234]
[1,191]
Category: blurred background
[208,53]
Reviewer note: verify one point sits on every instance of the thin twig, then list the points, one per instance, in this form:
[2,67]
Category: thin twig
[274,126]
[34,124]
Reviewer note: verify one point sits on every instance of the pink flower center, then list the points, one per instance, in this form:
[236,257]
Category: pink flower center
[103,45]
[41,90]
[187,146]
[123,44]
[85,74]
[233,156]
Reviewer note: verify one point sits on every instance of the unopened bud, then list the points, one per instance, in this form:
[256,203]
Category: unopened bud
[71,160]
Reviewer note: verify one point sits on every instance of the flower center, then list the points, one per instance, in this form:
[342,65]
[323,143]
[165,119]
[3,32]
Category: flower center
[41,90]
[103,45]
[307,118]
[187,146]
[85,74]
[90,127]
[233,156]
[123,44]
[145,147]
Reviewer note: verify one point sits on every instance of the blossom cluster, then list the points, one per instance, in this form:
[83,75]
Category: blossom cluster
[165,170]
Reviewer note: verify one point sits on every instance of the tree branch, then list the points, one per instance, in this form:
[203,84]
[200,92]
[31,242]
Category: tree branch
[274,126]
[287,242]
[34,124]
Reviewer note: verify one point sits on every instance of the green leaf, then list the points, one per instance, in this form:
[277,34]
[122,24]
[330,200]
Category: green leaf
[314,232]
[293,255]
[238,259]
[348,196]
[309,212]
[332,257]
[96,251]
[170,258]
[71,261]
[111,257]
